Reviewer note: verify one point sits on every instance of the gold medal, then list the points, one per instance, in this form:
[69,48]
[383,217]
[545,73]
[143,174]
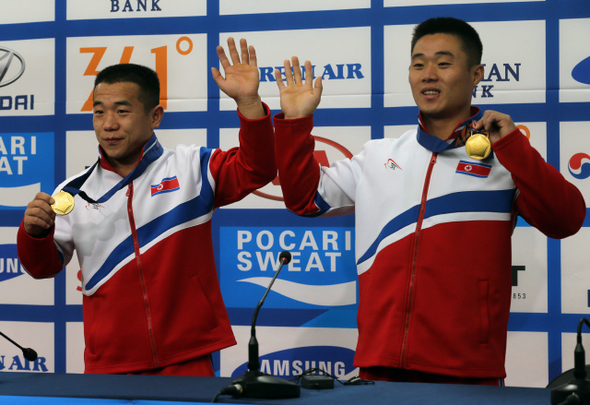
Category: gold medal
[64,203]
[478,146]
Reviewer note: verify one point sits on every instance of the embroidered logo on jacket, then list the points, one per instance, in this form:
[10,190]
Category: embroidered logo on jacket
[473,169]
[390,164]
[166,186]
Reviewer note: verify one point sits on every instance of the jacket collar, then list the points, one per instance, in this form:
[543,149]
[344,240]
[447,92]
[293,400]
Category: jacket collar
[150,152]
[455,140]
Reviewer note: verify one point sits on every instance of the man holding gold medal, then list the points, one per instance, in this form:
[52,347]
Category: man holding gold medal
[139,221]
[434,209]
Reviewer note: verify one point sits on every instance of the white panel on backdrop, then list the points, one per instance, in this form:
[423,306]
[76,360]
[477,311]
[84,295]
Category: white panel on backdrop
[574,155]
[25,11]
[575,166]
[403,3]
[342,56]
[169,138]
[38,336]
[529,270]
[526,359]
[180,61]
[16,286]
[537,134]
[574,60]
[575,273]
[98,9]
[75,345]
[283,351]
[228,7]
[27,77]
[81,151]
[395,131]
[73,283]
[529,246]
[331,144]
[513,55]
[568,344]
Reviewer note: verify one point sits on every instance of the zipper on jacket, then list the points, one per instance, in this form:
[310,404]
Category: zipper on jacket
[423,201]
[140,271]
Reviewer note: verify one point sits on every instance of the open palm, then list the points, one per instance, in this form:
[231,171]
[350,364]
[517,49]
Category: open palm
[298,98]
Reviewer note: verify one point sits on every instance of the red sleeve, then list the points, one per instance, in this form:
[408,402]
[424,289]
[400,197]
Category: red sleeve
[38,256]
[241,170]
[546,200]
[299,171]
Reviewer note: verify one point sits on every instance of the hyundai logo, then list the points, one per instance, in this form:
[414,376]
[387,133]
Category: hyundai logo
[7,57]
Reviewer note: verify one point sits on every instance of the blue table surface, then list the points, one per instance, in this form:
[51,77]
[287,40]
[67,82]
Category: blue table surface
[69,389]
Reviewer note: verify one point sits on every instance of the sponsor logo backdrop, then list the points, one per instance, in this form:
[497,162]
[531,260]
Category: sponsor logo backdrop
[537,58]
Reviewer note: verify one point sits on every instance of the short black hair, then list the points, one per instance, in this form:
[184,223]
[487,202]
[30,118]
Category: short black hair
[469,37]
[143,76]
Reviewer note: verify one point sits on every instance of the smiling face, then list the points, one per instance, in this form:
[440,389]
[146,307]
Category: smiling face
[441,81]
[122,124]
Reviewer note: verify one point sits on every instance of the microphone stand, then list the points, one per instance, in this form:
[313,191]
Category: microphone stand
[577,391]
[254,383]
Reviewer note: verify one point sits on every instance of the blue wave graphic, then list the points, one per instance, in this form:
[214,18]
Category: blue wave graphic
[18,196]
[323,295]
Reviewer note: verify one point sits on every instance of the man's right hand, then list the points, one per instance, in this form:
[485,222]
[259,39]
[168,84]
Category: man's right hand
[298,99]
[39,215]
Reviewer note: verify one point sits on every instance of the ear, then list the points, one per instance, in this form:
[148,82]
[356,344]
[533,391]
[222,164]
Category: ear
[156,116]
[477,72]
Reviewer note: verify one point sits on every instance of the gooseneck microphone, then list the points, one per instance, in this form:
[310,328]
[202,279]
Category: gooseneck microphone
[254,383]
[577,391]
[28,353]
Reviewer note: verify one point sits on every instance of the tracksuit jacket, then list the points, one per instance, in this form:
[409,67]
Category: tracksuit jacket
[433,230]
[151,295]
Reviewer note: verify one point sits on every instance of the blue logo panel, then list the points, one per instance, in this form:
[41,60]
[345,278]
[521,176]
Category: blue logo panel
[9,264]
[26,167]
[336,361]
[321,274]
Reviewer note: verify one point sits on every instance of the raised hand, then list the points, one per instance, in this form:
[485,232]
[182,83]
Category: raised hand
[496,124]
[298,99]
[241,79]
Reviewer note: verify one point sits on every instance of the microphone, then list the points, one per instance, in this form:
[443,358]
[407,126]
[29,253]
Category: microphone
[577,391]
[28,353]
[254,383]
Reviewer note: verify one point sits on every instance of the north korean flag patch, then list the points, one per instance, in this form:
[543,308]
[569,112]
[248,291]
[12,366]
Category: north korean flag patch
[166,186]
[473,169]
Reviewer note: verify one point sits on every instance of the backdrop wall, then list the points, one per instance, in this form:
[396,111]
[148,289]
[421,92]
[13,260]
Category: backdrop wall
[537,60]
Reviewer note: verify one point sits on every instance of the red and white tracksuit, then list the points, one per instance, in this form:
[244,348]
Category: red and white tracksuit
[433,238]
[151,292]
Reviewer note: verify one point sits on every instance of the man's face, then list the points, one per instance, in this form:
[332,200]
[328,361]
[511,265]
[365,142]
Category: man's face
[121,124]
[441,82]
